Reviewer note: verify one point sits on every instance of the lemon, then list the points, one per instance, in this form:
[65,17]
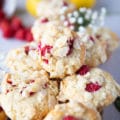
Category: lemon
[83,3]
[31,6]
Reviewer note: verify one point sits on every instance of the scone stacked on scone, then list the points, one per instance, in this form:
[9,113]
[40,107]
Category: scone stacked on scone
[73,111]
[99,46]
[29,98]
[92,86]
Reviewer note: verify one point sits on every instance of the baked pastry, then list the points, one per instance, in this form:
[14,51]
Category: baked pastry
[93,86]
[109,37]
[96,50]
[23,59]
[54,8]
[28,99]
[73,111]
[61,50]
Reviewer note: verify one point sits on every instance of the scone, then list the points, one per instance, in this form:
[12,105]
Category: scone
[96,50]
[2,114]
[23,59]
[28,99]
[93,86]
[109,37]
[61,50]
[54,8]
[73,111]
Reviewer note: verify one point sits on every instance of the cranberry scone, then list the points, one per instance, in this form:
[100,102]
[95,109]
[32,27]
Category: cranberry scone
[105,35]
[28,99]
[61,50]
[23,59]
[92,86]
[54,8]
[73,111]
[96,50]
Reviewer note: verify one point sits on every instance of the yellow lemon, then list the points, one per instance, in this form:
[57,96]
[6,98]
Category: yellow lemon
[31,6]
[83,3]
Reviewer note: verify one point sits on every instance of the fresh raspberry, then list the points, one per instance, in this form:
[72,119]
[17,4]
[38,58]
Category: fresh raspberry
[70,118]
[27,49]
[44,20]
[83,70]
[29,37]
[20,34]
[2,15]
[92,87]
[6,30]
[16,23]
[70,44]
[3,24]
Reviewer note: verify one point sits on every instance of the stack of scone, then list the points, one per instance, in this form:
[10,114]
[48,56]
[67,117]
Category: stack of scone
[53,77]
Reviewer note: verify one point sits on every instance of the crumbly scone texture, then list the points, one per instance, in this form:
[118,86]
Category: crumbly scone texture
[96,87]
[54,8]
[107,36]
[96,50]
[23,59]
[76,110]
[61,50]
[28,99]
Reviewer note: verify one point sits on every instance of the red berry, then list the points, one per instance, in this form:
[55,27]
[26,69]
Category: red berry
[44,20]
[92,87]
[92,38]
[2,15]
[31,93]
[70,44]
[46,61]
[45,49]
[16,23]
[7,32]
[29,37]
[27,49]
[20,34]
[83,70]
[69,118]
